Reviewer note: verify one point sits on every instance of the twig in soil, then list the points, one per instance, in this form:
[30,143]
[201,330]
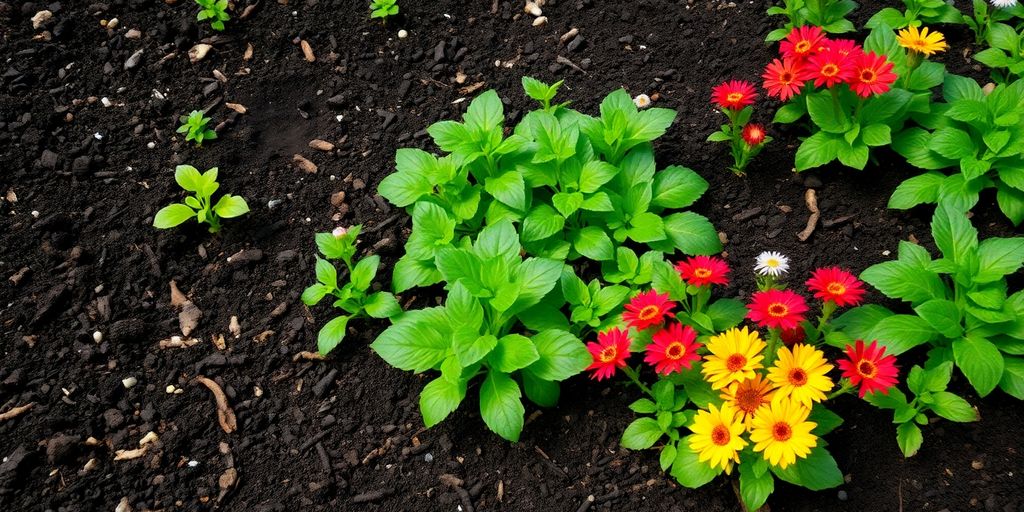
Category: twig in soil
[547,461]
[368,497]
[811,198]
[456,483]
[17,411]
[225,416]
[380,225]
[306,355]
[178,342]
[377,452]
[131,454]
[313,440]
[571,64]
[586,504]
[189,314]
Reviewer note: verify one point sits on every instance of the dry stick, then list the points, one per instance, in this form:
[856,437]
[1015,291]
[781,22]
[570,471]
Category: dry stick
[811,198]
[586,504]
[16,411]
[225,416]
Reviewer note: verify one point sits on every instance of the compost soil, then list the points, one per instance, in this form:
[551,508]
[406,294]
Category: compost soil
[87,120]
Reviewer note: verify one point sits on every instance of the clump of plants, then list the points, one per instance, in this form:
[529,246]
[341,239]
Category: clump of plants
[195,127]
[383,9]
[830,15]
[1005,54]
[199,205]
[354,296]
[214,10]
[983,17]
[917,12]
[735,98]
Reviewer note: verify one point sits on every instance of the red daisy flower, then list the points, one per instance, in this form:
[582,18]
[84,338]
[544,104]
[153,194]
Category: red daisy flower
[782,78]
[802,42]
[753,134]
[609,353]
[733,94]
[844,47]
[836,285]
[873,75]
[793,336]
[828,69]
[673,349]
[781,309]
[647,309]
[704,270]
[869,368]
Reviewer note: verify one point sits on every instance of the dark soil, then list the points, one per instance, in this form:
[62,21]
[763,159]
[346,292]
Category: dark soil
[345,434]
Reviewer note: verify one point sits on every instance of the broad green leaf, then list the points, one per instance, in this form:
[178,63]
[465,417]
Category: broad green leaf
[439,398]
[943,315]
[501,406]
[641,434]
[410,273]
[188,178]
[230,206]
[1013,377]
[542,221]
[382,305]
[900,333]
[827,420]
[513,352]
[409,183]
[172,215]
[567,202]
[980,361]
[418,341]
[364,272]
[331,334]
[315,293]
[860,321]
[677,187]
[816,472]
[954,235]
[817,150]
[916,190]
[909,438]
[470,346]
[692,234]
[497,240]
[688,470]
[539,391]
[509,188]
[326,273]
[953,408]
[999,257]
[485,112]
[595,174]
[593,242]
[754,488]
[900,280]
[646,227]
[726,313]
[561,355]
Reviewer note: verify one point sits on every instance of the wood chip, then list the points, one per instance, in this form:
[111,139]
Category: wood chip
[178,342]
[307,51]
[218,342]
[307,356]
[469,89]
[811,198]
[131,454]
[234,327]
[568,36]
[248,52]
[304,164]
[16,411]
[225,416]
[322,145]
[237,107]
[220,76]
[198,52]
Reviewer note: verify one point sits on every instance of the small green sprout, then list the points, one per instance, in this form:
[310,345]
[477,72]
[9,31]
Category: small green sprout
[383,8]
[200,205]
[194,128]
[214,10]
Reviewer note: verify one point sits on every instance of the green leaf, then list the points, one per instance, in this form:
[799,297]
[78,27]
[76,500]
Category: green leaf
[980,361]
[485,112]
[542,221]
[854,155]
[1013,377]
[902,280]
[827,420]
[999,257]
[382,305]
[410,273]
[410,182]
[643,406]
[909,438]
[646,227]
[688,470]
[326,273]
[789,113]
[509,188]
[172,215]
[876,135]
[726,313]
[595,174]
[418,341]
[539,391]
[536,89]
[916,190]
[331,334]
[439,398]
[858,322]
[692,234]
[315,293]
[754,488]
[820,106]
[943,315]
[567,202]
[497,240]
[900,333]
[650,124]
[364,272]
[954,235]
[677,187]
[952,143]
[188,178]
[561,355]
[501,406]
[667,457]
[641,434]
[536,277]
[817,150]
[816,472]
[593,242]
[230,206]
[513,352]
[953,408]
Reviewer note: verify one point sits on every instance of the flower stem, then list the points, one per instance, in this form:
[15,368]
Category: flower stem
[773,346]
[635,377]
[846,387]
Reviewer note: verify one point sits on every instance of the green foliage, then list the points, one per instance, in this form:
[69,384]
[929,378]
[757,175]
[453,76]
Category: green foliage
[742,152]
[491,289]
[928,387]
[1005,54]
[383,9]
[830,15]
[917,13]
[984,15]
[194,126]
[214,10]
[982,134]
[353,297]
[961,304]
[199,205]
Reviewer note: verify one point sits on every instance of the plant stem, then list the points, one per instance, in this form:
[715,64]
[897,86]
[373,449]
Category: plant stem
[827,309]
[773,347]
[846,387]
[635,377]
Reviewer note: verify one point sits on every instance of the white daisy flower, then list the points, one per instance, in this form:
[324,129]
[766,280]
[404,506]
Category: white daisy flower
[771,263]
[643,100]
[1003,4]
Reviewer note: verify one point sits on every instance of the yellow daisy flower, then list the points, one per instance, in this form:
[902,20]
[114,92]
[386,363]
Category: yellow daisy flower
[782,432]
[735,356]
[921,42]
[716,436]
[800,374]
[749,395]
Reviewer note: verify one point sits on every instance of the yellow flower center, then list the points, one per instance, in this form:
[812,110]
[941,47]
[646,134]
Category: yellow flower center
[802,46]
[781,431]
[736,362]
[797,377]
[648,312]
[675,350]
[867,369]
[835,288]
[772,263]
[748,399]
[734,97]
[608,354]
[720,435]
[829,70]
[867,76]
[778,310]
[702,272]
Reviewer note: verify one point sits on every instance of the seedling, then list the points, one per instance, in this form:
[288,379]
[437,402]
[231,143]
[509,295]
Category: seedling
[383,9]
[194,128]
[199,205]
[214,10]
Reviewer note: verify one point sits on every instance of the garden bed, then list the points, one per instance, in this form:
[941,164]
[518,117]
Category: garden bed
[346,433]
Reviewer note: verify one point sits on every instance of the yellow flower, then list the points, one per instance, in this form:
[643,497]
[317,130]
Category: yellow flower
[921,42]
[749,395]
[782,432]
[735,355]
[716,436]
[800,374]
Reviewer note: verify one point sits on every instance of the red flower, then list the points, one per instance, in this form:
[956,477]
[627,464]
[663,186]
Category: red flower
[705,270]
[647,309]
[609,353]
[781,309]
[873,75]
[793,336]
[753,134]
[802,42]
[673,349]
[869,368]
[782,78]
[844,47]
[734,94]
[836,285]
[828,69]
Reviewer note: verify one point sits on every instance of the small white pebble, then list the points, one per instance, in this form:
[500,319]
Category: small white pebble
[429,457]
[258,391]
[129,382]
[35,213]
[97,337]
[105,101]
[448,16]
[402,34]
[295,13]
[642,101]
[170,389]
[98,136]
[339,117]
[309,219]
[886,252]
[272,203]
[540,20]
[193,463]
[151,145]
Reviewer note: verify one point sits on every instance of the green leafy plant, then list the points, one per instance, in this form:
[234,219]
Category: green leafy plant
[214,10]
[983,16]
[830,15]
[194,126]
[929,394]
[353,296]
[961,304]
[200,205]
[745,139]
[981,134]
[383,9]
[576,186]
[917,12]
[478,332]
[1006,53]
